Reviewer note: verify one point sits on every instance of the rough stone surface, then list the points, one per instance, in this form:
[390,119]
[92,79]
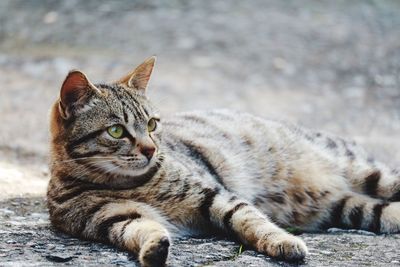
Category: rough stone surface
[28,239]
[331,65]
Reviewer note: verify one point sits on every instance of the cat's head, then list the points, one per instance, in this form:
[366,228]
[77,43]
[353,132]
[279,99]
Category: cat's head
[107,130]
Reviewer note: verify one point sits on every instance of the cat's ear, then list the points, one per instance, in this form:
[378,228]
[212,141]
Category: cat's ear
[75,93]
[138,79]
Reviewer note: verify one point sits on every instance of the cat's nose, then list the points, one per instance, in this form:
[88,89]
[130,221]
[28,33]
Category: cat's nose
[148,151]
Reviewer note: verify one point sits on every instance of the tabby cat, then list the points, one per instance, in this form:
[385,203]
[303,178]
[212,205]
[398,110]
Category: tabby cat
[122,175]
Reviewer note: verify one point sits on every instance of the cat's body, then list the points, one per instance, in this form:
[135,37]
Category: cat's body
[208,171]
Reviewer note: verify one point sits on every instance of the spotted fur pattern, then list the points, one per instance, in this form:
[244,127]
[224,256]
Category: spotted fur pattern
[218,170]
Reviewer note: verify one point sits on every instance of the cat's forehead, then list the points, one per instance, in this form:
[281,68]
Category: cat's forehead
[117,96]
[112,90]
[126,104]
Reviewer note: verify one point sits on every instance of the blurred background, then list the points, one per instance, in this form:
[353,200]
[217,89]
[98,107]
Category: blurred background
[331,65]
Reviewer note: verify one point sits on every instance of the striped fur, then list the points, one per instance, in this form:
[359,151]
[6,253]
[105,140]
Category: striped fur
[211,171]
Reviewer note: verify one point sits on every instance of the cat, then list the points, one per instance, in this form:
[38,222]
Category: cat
[122,175]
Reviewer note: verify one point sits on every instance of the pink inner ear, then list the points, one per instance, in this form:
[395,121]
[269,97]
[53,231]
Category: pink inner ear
[73,88]
[140,80]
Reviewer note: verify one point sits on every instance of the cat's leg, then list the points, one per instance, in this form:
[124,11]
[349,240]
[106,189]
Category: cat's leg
[358,211]
[129,225]
[252,227]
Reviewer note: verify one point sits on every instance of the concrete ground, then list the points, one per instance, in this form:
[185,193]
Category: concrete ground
[331,65]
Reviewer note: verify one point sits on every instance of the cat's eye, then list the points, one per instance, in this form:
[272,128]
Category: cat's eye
[152,125]
[116,131]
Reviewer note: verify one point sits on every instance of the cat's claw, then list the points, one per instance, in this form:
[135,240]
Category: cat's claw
[283,247]
[155,252]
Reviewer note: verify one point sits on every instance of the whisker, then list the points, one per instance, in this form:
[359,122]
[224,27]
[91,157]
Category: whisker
[83,170]
[70,160]
[96,165]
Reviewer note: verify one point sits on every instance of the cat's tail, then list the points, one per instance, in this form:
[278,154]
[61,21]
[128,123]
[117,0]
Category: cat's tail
[357,211]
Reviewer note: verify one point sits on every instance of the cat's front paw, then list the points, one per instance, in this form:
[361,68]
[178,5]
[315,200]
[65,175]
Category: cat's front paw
[154,252]
[283,246]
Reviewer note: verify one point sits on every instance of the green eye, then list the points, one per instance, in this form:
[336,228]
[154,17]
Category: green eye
[116,131]
[152,125]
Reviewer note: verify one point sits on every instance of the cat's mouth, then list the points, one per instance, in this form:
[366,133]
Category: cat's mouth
[132,158]
[133,162]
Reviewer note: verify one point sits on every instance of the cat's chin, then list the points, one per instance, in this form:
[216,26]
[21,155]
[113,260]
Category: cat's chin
[134,172]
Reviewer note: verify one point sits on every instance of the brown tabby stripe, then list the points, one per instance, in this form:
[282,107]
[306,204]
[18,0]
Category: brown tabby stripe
[146,111]
[335,219]
[233,198]
[105,86]
[75,192]
[122,232]
[371,183]
[208,199]
[182,193]
[330,143]
[299,197]
[199,156]
[70,181]
[135,102]
[350,154]
[165,195]
[336,215]
[312,195]
[136,106]
[277,197]
[83,139]
[91,211]
[132,110]
[375,225]
[171,191]
[104,227]
[197,119]
[75,155]
[229,214]
[395,197]
[356,216]
[125,116]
